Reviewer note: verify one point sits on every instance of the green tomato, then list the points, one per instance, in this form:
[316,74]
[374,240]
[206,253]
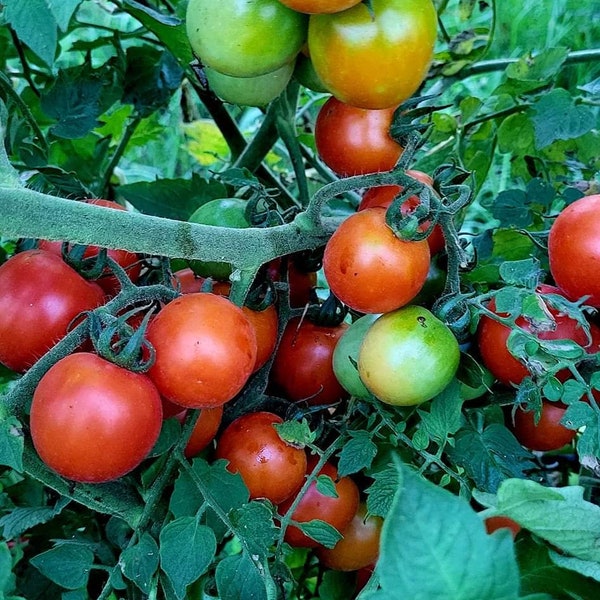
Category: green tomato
[345,356]
[222,212]
[249,91]
[306,75]
[245,38]
[474,379]
[408,356]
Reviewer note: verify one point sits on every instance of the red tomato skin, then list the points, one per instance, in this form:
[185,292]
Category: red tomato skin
[370,269]
[492,337]
[93,421]
[301,283]
[270,467]
[355,141]
[303,366]
[187,282]
[337,512]
[266,328]
[500,522]
[204,431]
[574,249]
[40,295]
[205,350]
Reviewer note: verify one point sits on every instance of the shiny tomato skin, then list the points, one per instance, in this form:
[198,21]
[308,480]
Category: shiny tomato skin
[574,249]
[408,356]
[205,350]
[303,366]
[320,6]
[492,337]
[187,282]
[244,38]
[337,512]
[270,467]
[369,268]
[355,141]
[93,421]
[374,58]
[359,547]
[204,431]
[266,328]
[40,296]
[545,435]
[301,283]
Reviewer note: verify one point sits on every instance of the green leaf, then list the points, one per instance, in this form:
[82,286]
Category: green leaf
[63,11]
[588,568]
[254,523]
[512,209]
[326,486]
[11,443]
[381,492]
[434,547]
[321,532]
[557,117]
[516,134]
[336,585]
[540,68]
[6,565]
[20,519]
[525,272]
[444,417]
[357,454]
[140,561]
[238,577]
[297,433]
[68,564]
[186,551]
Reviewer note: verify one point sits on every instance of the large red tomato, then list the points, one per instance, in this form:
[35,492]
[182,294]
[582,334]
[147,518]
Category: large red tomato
[205,350]
[574,249]
[369,268]
[374,56]
[40,296]
[354,141]
[270,467]
[93,421]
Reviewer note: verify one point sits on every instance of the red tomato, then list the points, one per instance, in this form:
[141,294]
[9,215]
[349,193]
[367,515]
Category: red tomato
[359,547]
[205,350]
[301,283]
[336,511]
[492,337]
[204,431]
[374,56]
[354,141]
[369,268]
[187,282]
[266,328]
[93,421]
[128,260]
[499,522]
[384,195]
[303,366]
[574,249]
[270,467]
[319,6]
[40,296]
[545,435]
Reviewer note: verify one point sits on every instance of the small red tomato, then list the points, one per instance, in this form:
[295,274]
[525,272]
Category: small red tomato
[500,522]
[266,327]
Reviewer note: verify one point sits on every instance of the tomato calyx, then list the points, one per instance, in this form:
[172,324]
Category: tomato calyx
[331,313]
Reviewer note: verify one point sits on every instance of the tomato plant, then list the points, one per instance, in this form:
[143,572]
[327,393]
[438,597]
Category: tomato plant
[320,6]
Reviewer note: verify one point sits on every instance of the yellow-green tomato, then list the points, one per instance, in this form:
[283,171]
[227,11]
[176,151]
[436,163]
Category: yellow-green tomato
[244,38]
[249,91]
[408,356]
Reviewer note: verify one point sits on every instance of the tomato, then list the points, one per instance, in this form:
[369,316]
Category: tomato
[221,212]
[320,6]
[384,195]
[244,38]
[305,74]
[205,350]
[93,421]
[128,260]
[355,141]
[301,283]
[374,58]
[359,547]
[492,337]
[204,431]
[303,366]
[40,296]
[545,435]
[250,91]
[345,356]
[270,467]
[187,282]
[266,328]
[500,522]
[369,268]
[408,356]
[336,511]
[574,249]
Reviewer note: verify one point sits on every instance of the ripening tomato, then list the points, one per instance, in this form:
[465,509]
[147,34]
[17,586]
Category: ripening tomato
[492,337]
[374,57]
[244,38]
[270,467]
[336,511]
[574,249]
[359,547]
[128,260]
[369,268]
[408,356]
[355,141]
[320,6]
[305,74]
[40,296]
[93,421]
[205,350]
[303,366]
[545,435]
[384,195]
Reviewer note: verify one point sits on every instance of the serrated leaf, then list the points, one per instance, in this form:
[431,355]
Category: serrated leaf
[67,564]
[20,519]
[254,523]
[588,568]
[444,417]
[381,492]
[512,209]
[516,134]
[539,68]
[357,454]
[525,272]
[326,486]
[140,562]
[238,577]
[297,433]
[321,532]
[186,551]
[11,443]
[63,10]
